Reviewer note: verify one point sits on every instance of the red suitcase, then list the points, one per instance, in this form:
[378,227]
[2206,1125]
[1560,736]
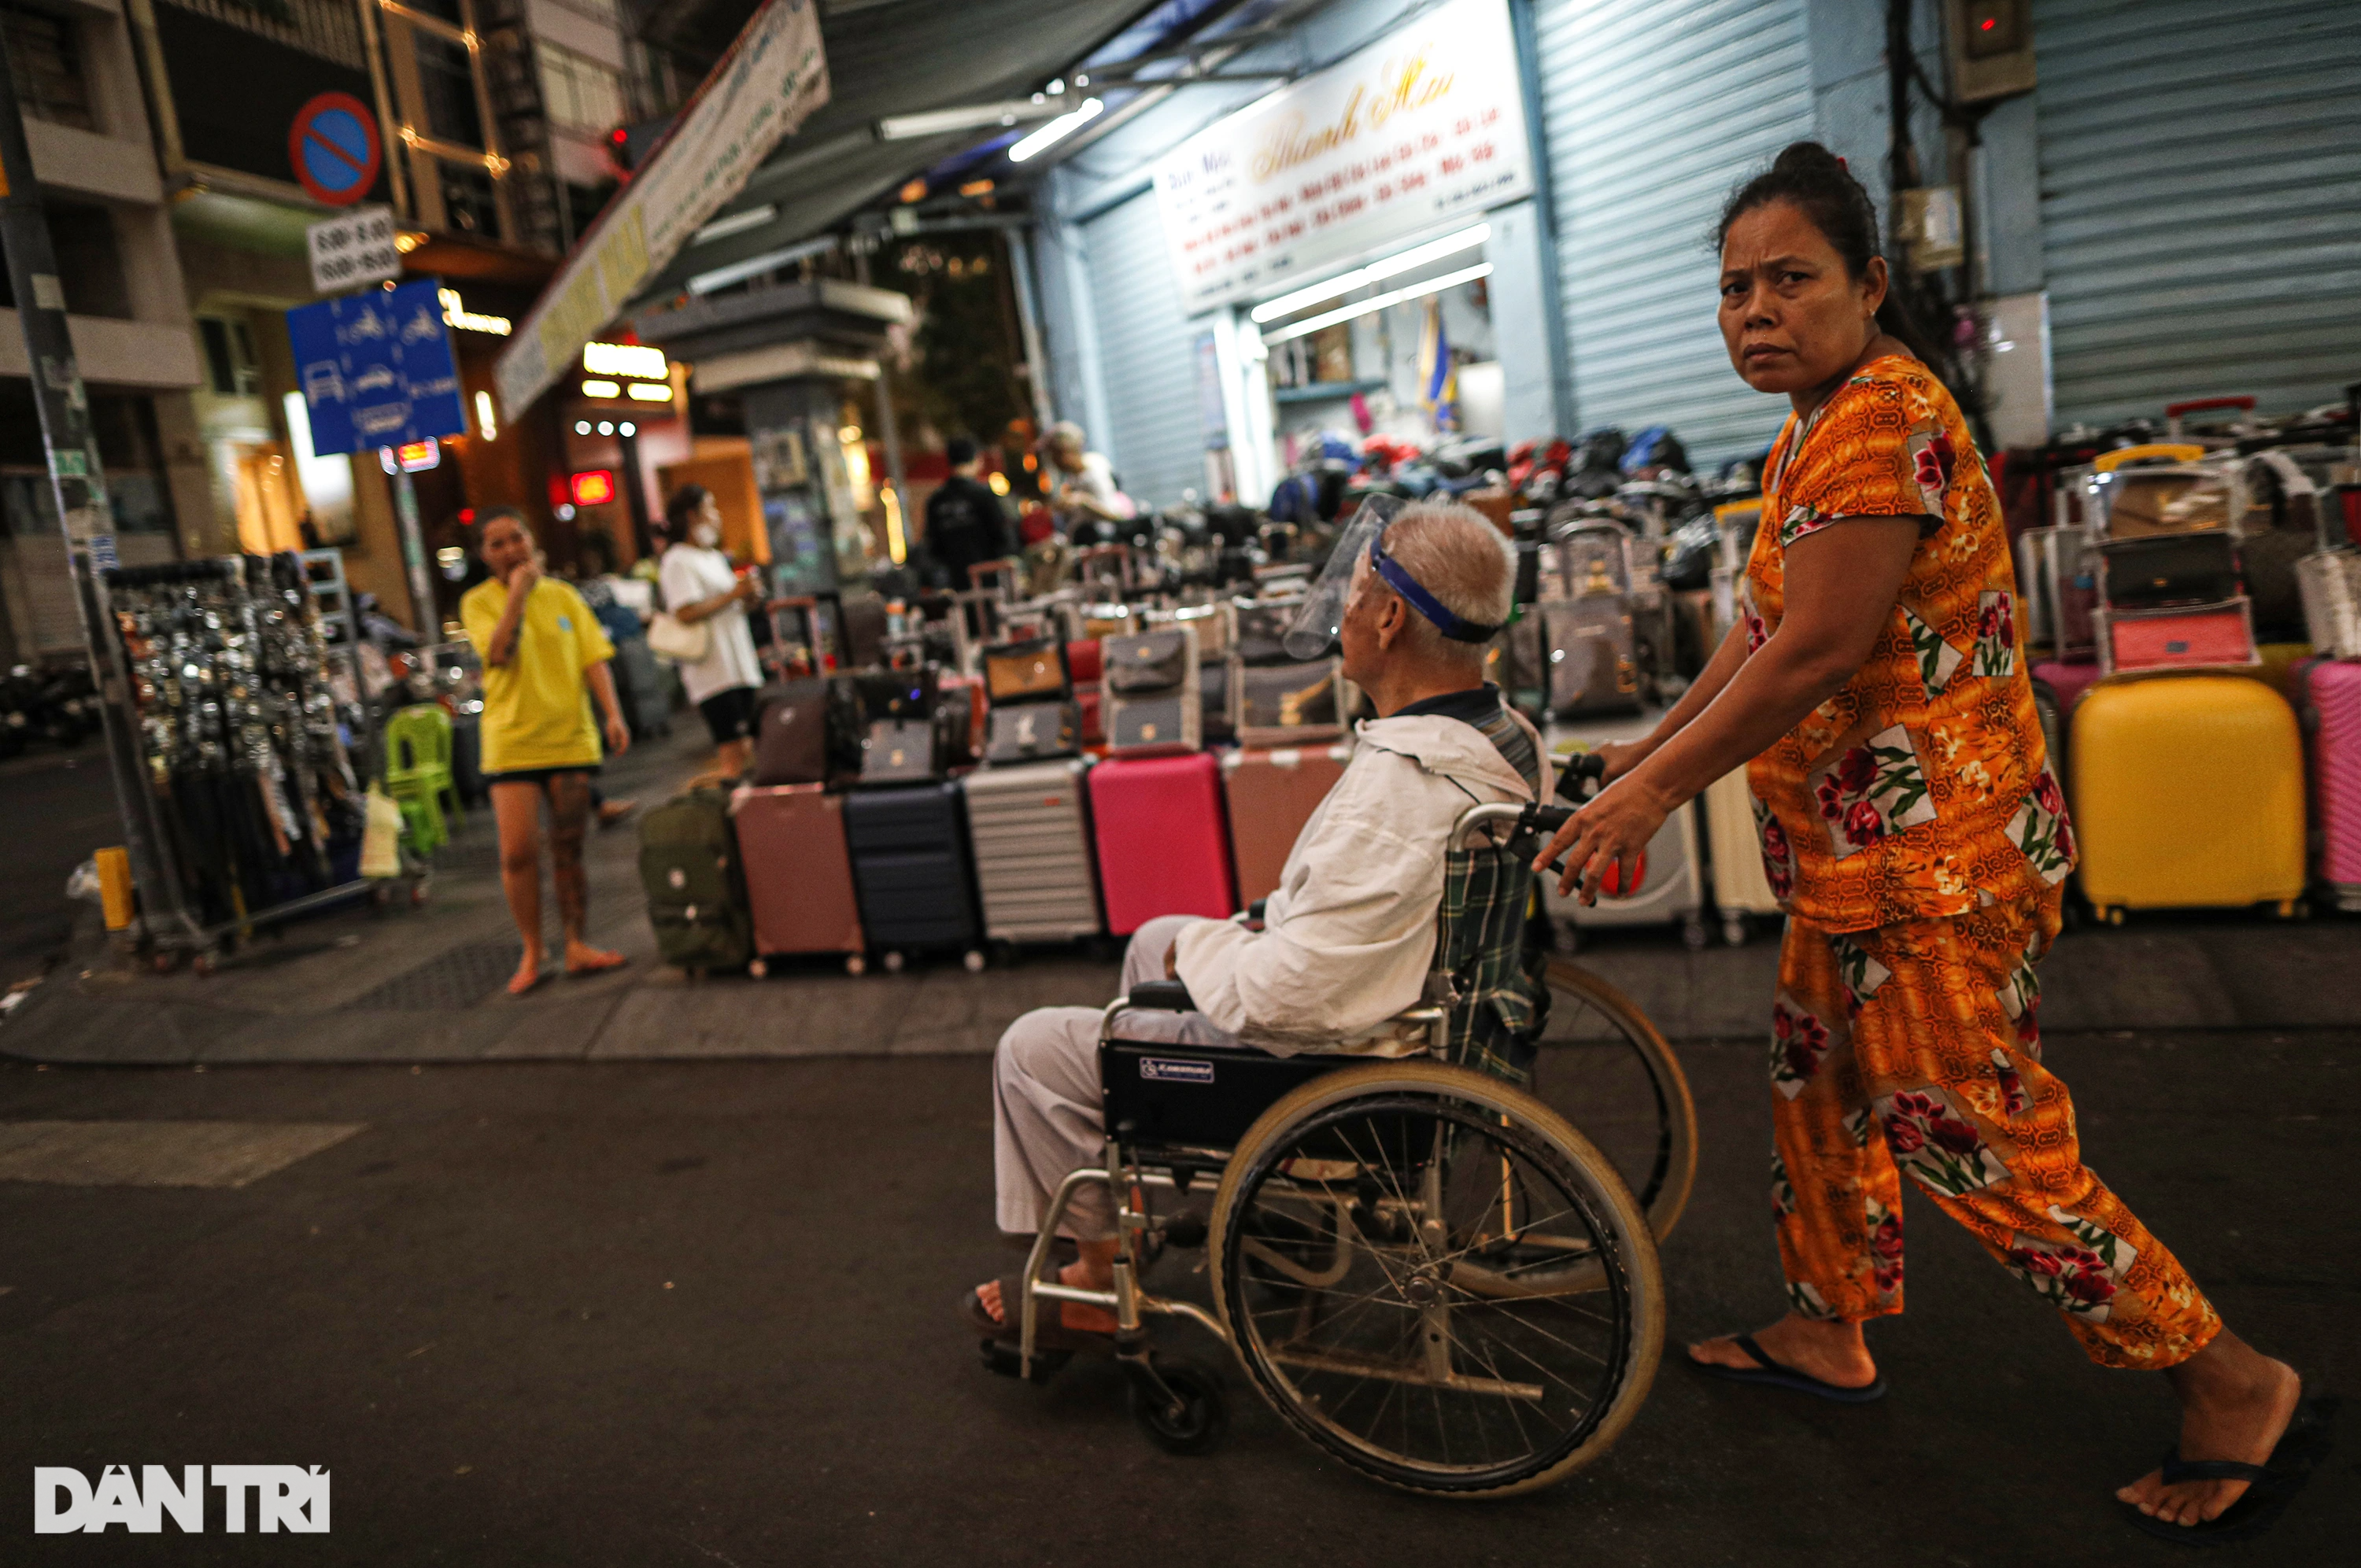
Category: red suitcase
[1163,848]
[798,874]
[1086,698]
[1271,794]
[1082,659]
[2331,706]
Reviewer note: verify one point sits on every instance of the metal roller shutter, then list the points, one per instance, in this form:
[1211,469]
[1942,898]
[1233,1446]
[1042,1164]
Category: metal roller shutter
[2201,201]
[1153,440]
[1651,111]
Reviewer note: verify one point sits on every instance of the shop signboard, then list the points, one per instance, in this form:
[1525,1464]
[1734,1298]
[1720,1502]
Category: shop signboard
[773,77]
[376,368]
[1424,127]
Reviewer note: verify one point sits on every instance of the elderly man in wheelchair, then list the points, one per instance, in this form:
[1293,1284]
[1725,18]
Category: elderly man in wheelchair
[1424,1269]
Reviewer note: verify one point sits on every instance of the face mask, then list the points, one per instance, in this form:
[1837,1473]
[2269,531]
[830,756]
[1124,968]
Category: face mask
[705,536]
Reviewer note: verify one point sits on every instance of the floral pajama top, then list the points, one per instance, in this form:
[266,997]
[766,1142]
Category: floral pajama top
[1923,789]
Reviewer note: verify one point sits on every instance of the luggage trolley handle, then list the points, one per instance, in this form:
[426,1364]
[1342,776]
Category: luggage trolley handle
[2173,411]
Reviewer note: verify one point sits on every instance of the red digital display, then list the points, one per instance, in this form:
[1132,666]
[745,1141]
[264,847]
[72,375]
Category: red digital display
[594,487]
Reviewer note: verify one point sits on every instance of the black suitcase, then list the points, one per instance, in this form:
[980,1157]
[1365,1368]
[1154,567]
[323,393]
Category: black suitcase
[647,700]
[1034,731]
[1213,692]
[910,867]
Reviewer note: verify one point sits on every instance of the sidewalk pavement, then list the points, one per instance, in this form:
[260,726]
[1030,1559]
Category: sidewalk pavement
[427,983]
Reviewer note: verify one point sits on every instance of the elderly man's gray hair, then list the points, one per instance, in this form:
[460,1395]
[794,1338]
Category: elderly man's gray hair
[1458,556]
[1066,432]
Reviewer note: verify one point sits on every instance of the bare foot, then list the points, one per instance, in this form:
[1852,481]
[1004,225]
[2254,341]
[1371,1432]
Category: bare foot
[1833,1352]
[528,974]
[613,811]
[2234,1404]
[581,957]
[1074,1315]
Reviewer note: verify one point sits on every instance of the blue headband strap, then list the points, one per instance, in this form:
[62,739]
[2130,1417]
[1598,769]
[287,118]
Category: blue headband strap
[1398,579]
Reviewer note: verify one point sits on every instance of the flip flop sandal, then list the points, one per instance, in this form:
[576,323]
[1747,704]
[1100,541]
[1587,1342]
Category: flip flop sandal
[1049,1332]
[1771,1374]
[2270,1486]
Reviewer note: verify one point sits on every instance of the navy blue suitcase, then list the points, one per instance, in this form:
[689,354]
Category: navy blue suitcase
[910,867]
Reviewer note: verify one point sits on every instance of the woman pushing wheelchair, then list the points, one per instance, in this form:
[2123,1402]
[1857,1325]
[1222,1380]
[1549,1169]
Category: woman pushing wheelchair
[1876,691]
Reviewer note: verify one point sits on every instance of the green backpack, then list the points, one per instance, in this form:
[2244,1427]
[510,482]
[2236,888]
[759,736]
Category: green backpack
[697,893]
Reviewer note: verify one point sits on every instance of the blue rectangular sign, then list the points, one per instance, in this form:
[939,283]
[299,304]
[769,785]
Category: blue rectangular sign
[376,368]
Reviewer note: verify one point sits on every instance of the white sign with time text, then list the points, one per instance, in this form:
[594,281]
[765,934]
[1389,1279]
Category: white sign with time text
[1424,127]
[353,248]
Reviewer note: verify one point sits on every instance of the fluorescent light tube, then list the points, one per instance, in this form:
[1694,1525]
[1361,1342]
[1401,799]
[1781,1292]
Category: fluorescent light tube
[1056,130]
[1346,313]
[1345,283]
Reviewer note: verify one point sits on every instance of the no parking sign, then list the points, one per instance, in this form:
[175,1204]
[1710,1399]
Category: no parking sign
[335,147]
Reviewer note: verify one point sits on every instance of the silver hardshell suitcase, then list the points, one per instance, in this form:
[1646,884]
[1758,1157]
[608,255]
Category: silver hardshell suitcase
[1030,832]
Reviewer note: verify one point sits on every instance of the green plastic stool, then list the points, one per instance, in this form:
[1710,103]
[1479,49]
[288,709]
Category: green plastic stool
[418,771]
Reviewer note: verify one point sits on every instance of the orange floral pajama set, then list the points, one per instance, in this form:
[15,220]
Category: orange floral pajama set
[1913,831]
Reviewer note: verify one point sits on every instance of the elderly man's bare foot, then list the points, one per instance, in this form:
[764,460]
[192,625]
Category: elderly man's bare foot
[2234,1404]
[1833,1352]
[1075,1315]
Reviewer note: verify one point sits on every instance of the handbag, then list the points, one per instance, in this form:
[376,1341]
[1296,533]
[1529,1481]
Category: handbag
[683,642]
[1150,661]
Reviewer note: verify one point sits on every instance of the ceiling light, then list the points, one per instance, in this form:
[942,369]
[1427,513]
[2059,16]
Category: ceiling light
[968,117]
[1056,130]
[736,222]
[1346,313]
[755,266]
[1056,86]
[1345,283]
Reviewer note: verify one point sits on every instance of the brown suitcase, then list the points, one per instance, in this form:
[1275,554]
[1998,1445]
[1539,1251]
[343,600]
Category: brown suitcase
[798,874]
[1271,796]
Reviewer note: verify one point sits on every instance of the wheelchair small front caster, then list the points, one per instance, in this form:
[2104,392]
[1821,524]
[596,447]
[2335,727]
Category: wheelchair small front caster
[1188,1414]
[1733,930]
[1001,1357]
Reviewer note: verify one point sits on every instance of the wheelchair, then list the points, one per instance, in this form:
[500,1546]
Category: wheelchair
[1420,1264]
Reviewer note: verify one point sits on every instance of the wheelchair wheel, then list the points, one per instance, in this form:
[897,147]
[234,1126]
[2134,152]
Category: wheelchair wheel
[1606,1069]
[1351,1228]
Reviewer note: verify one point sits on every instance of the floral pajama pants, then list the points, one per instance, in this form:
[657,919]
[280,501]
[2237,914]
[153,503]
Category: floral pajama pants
[1913,1049]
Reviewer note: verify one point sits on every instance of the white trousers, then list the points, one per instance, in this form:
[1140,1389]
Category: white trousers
[1046,1112]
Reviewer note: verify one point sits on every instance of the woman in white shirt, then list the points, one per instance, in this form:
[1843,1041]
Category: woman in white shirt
[700,587]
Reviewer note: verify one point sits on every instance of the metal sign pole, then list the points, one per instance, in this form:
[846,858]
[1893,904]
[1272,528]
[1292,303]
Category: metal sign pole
[77,483]
[429,623]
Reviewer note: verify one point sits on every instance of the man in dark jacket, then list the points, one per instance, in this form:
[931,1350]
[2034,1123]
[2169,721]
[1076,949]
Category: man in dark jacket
[965,523]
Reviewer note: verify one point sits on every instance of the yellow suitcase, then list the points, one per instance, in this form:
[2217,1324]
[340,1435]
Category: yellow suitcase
[2188,792]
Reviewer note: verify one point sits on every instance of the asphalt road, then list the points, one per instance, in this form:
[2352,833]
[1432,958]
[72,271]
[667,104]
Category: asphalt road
[696,1313]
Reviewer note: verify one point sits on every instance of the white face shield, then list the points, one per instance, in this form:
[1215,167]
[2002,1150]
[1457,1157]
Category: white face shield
[1317,623]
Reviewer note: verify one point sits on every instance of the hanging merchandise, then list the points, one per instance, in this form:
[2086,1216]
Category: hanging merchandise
[239,734]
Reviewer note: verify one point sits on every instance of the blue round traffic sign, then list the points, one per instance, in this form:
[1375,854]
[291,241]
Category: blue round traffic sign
[335,148]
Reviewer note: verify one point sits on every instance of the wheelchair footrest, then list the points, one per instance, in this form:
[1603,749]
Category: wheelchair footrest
[1000,1356]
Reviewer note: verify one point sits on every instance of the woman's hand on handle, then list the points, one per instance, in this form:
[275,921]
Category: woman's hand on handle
[1622,756]
[1613,830]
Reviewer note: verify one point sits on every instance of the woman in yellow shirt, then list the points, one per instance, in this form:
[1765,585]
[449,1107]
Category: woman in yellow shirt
[545,656]
[1876,690]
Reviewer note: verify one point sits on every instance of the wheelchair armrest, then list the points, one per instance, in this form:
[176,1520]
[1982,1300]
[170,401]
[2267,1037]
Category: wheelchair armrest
[1169,995]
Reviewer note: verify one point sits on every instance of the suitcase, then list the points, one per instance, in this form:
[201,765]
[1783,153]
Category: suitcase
[647,700]
[696,892]
[798,875]
[1030,671]
[2277,662]
[1090,703]
[2069,569]
[901,752]
[2070,681]
[2169,568]
[1033,731]
[1592,655]
[1289,705]
[1163,848]
[1154,695]
[2136,501]
[808,732]
[1031,834]
[1585,560]
[910,870]
[2188,792]
[2328,694]
[1672,884]
[1734,849]
[2194,636]
[1083,661]
[1270,796]
[2331,583]
[1261,628]
[1215,723]
[1213,623]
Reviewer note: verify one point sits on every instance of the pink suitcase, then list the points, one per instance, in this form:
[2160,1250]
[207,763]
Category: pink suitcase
[1163,846]
[2332,718]
[798,874]
[2068,681]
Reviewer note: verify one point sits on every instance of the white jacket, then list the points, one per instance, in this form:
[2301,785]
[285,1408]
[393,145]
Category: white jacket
[1350,933]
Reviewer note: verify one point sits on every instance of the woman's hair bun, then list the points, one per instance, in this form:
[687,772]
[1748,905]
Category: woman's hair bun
[1808,159]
